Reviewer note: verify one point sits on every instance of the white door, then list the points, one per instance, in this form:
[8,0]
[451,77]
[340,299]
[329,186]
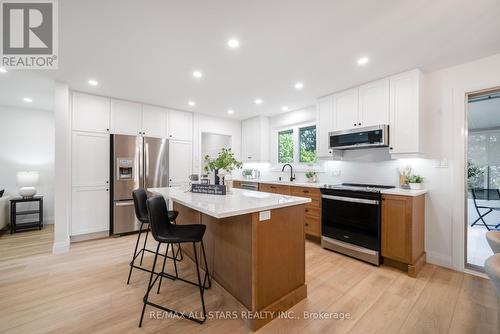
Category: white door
[89,210]
[324,124]
[154,121]
[404,113]
[125,117]
[345,108]
[180,157]
[180,125]
[374,103]
[90,159]
[90,113]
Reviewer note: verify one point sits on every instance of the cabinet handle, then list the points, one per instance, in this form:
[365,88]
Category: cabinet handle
[390,148]
[305,191]
[273,187]
[170,136]
[249,158]
[107,130]
[354,124]
[107,182]
[107,189]
[307,210]
[307,224]
[359,123]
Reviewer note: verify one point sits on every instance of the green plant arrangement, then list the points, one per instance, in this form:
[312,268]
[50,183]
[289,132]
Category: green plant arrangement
[225,160]
[311,176]
[415,179]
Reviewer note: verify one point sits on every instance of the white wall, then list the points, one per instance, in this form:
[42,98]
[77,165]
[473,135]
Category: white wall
[209,124]
[27,143]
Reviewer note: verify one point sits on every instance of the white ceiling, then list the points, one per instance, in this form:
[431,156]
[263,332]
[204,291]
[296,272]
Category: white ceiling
[146,50]
[484,114]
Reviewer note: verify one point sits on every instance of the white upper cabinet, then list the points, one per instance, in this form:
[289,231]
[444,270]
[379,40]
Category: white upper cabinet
[404,113]
[255,139]
[90,113]
[345,108]
[180,155]
[154,121]
[125,117]
[374,103]
[180,125]
[324,117]
[90,159]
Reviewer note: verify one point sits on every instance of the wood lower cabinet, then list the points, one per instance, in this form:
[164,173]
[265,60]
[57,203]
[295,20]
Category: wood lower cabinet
[236,184]
[403,232]
[312,210]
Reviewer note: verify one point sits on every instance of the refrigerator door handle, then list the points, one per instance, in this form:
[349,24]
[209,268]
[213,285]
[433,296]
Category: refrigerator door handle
[124,203]
[146,160]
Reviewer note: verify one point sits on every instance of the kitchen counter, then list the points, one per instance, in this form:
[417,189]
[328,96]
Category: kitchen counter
[285,183]
[403,192]
[238,202]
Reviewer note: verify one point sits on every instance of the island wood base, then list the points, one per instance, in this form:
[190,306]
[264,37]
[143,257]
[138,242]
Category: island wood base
[260,263]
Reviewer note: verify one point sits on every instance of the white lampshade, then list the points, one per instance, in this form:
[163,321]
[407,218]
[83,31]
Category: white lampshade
[27,179]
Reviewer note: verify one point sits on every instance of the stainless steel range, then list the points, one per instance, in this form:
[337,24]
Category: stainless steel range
[351,220]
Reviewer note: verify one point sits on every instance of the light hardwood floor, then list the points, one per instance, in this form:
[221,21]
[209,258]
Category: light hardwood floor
[85,291]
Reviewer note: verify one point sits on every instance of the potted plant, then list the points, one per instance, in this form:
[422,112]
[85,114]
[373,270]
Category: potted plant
[222,165]
[415,181]
[311,176]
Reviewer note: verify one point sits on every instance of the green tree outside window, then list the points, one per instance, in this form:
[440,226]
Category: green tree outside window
[307,144]
[285,146]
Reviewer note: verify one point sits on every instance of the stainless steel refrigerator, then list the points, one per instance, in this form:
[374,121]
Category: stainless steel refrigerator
[137,162]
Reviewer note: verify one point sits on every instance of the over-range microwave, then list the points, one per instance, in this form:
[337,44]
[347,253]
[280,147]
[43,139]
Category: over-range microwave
[365,137]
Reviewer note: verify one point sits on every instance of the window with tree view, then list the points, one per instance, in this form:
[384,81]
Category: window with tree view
[285,146]
[307,144]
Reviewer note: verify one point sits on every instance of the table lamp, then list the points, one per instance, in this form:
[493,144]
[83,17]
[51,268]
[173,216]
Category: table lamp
[26,181]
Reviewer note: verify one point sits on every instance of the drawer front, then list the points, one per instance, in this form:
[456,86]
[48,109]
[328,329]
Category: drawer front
[274,188]
[306,192]
[313,226]
[236,184]
[313,211]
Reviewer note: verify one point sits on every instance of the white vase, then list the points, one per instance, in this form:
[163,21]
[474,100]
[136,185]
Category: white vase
[415,186]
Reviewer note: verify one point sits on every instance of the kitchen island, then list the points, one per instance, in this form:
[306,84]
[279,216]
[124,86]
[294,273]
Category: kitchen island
[255,246]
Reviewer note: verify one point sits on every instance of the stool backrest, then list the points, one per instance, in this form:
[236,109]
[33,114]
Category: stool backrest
[485,194]
[158,215]
[141,211]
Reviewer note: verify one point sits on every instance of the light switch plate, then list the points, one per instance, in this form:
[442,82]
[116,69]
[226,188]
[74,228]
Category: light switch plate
[264,215]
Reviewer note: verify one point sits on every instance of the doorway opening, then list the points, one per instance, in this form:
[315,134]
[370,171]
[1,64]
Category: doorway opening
[483,175]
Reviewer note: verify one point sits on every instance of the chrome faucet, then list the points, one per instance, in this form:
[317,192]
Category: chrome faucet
[292,176]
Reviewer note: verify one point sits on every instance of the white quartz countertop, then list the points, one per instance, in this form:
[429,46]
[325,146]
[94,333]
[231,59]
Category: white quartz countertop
[286,183]
[238,202]
[404,192]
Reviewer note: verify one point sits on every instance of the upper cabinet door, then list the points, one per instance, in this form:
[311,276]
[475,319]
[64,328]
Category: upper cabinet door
[180,125]
[324,124]
[374,103]
[345,108]
[90,159]
[154,121]
[90,113]
[180,155]
[404,113]
[125,117]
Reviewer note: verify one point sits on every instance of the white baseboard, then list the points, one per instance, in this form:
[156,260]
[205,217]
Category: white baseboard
[440,259]
[60,247]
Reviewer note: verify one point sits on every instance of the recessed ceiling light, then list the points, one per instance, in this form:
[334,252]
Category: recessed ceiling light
[258,101]
[363,61]
[233,43]
[230,111]
[299,85]
[192,103]
[28,100]
[92,82]
[3,70]
[197,74]
[284,108]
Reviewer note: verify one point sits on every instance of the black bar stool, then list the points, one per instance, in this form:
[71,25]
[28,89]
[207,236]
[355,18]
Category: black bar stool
[172,234]
[141,212]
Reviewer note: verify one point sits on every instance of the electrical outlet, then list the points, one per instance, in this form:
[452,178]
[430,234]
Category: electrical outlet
[443,163]
[336,172]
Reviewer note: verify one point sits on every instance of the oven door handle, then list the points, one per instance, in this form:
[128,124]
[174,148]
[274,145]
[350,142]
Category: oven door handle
[351,199]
